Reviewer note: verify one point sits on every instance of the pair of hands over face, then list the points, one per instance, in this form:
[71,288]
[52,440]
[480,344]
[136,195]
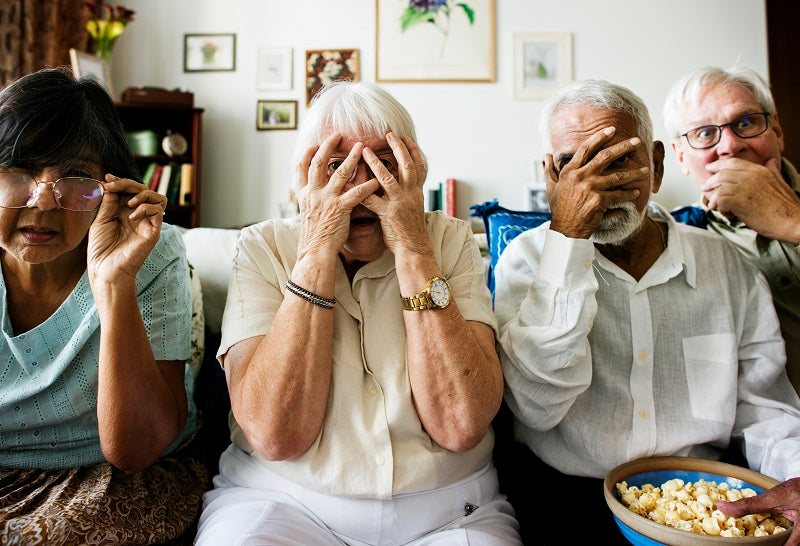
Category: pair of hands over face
[125,230]
[327,201]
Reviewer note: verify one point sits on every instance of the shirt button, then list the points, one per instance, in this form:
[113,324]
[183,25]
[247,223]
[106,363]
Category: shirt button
[587,264]
[372,391]
[643,414]
[380,459]
[642,355]
[591,323]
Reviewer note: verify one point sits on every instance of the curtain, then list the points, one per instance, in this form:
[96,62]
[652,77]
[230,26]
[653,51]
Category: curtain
[36,34]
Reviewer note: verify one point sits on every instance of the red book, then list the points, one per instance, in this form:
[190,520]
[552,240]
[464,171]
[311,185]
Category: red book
[450,195]
[156,177]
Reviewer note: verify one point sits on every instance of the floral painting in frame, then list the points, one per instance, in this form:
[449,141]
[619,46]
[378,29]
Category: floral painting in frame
[327,65]
[435,40]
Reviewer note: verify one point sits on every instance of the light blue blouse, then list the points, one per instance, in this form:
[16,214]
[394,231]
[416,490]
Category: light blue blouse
[49,375]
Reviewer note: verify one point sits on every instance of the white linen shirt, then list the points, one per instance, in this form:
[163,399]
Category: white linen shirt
[602,369]
[372,443]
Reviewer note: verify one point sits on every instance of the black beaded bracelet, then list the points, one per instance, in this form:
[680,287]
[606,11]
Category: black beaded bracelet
[309,296]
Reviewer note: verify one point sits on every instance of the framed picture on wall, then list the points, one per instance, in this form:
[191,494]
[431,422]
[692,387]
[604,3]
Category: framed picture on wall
[209,52]
[536,198]
[542,64]
[327,65]
[447,41]
[85,65]
[276,114]
[274,69]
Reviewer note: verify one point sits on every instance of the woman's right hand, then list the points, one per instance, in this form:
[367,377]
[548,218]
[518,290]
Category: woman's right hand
[324,208]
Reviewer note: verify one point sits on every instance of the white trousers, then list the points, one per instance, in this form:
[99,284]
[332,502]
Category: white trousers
[251,505]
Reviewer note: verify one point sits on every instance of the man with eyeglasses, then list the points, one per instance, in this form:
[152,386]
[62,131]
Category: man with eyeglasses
[727,137]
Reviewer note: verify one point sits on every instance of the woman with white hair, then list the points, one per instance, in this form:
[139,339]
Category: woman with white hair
[358,344]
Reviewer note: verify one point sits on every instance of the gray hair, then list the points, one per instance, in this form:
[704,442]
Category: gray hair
[688,88]
[600,94]
[355,110]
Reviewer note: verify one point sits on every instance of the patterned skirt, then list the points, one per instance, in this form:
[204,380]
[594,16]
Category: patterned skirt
[104,505]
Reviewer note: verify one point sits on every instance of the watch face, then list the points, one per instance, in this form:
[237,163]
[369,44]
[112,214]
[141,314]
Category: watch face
[440,293]
[174,144]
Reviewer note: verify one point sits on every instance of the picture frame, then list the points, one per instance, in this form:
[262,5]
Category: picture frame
[88,65]
[542,64]
[535,198]
[209,52]
[326,65]
[274,69]
[453,43]
[276,114]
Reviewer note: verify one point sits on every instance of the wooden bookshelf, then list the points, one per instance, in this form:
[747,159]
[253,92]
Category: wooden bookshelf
[164,118]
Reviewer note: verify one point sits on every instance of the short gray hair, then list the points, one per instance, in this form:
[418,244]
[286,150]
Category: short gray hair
[600,94]
[355,110]
[688,89]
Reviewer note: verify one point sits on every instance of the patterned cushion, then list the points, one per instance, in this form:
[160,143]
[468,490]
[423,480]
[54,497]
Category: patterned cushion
[502,225]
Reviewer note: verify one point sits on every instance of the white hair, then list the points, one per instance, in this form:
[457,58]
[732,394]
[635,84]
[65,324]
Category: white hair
[600,94]
[355,110]
[688,88]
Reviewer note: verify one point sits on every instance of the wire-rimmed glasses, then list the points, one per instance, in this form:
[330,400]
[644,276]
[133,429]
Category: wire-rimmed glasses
[746,126]
[18,190]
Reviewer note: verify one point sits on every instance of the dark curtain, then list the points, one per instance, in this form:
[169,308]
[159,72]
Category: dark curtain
[36,34]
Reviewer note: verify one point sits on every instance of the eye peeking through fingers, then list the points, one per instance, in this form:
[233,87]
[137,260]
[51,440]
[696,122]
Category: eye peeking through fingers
[622,160]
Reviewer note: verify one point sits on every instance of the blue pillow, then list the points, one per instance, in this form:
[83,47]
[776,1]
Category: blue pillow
[501,226]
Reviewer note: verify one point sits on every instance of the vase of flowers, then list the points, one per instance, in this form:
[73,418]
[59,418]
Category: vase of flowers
[107,23]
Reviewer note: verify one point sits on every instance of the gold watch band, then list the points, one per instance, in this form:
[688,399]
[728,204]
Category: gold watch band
[417,303]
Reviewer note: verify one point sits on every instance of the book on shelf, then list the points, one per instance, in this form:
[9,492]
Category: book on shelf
[433,199]
[450,197]
[148,173]
[174,184]
[156,178]
[163,182]
[185,190]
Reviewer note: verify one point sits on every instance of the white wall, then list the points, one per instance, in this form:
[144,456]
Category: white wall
[474,132]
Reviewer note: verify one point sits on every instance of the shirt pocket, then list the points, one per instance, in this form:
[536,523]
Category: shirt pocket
[712,369]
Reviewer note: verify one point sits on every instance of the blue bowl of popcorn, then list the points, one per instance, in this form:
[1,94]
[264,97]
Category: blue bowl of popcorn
[672,500]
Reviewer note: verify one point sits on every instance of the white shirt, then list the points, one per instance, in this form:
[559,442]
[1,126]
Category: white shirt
[372,443]
[602,369]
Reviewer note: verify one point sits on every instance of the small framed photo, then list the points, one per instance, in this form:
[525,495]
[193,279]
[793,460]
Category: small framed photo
[209,52]
[535,198]
[327,65]
[85,65]
[542,64]
[276,114]
[274,69]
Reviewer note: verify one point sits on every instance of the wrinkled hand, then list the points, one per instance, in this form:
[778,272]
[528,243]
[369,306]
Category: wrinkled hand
[401,209]
[580,191]
[324,208]
[125,230]
[783,499]
[755,194]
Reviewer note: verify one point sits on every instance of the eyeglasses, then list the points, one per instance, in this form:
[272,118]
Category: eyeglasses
[18,190]
[746,126]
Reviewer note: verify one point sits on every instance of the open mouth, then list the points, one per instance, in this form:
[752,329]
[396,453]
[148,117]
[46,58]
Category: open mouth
[363,221]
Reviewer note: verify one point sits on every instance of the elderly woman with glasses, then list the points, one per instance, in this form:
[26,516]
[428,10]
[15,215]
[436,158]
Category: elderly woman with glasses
[358,344]
[95,397]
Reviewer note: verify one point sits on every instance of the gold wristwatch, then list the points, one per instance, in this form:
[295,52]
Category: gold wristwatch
[435,296]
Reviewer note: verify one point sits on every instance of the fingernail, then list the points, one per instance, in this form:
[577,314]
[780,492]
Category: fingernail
[635,141]
[644,170]
[609,131]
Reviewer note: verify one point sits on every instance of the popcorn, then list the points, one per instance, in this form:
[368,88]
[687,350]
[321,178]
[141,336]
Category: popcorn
[693,507]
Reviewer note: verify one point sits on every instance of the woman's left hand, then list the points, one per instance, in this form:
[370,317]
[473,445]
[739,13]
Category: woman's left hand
[125,230]
[401,208]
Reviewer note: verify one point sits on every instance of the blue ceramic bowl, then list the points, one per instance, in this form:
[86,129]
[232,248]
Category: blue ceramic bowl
[640,530]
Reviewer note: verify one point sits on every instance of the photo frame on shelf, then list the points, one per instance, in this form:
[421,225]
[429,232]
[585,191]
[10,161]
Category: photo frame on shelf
[276,114]
[209,52]
[542,64]
[327,65]
[535,198]
[453,42]
[88,65]
[274,69]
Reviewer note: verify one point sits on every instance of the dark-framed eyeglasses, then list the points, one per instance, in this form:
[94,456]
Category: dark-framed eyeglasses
[746,126]
[18,190]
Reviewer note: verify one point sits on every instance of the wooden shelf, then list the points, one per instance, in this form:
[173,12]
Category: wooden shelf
[187,121]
